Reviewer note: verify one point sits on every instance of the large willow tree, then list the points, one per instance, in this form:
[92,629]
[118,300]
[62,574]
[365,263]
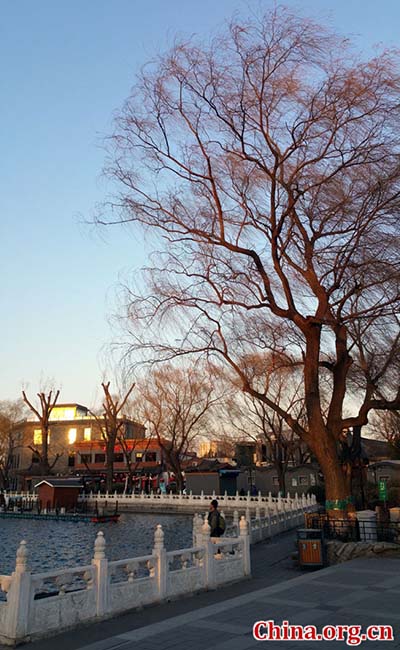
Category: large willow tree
[267,162]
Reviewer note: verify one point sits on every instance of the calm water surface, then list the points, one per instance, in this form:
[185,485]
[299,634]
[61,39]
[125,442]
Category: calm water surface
[54,544]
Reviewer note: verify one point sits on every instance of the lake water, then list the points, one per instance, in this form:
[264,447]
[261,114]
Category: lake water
[56,544]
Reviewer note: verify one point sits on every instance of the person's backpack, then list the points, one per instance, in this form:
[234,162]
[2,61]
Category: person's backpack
[221,524]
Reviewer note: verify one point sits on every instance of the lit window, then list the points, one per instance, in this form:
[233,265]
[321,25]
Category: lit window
[37,437]
[69,414]
[71,436]
[139,455]
[87,432]
[294,482]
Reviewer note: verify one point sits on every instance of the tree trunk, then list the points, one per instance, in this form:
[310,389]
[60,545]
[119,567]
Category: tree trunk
[337,487]
[44,467]
[109,466]
[179,480]
[281,478]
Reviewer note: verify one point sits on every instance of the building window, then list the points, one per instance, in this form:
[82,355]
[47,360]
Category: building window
[119,458]
[139,455]
[303,480]
[71,460]
[151,457]
[294,482]
[37,437]
[71,436]
[86,458]
[275,480]
[99,458]
[87,433]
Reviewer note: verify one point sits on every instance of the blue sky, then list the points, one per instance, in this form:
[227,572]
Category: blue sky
[66,66]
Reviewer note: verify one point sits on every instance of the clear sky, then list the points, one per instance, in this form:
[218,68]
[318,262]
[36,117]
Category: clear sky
[66,66]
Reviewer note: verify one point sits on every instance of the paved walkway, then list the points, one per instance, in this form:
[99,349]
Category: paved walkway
[364,592]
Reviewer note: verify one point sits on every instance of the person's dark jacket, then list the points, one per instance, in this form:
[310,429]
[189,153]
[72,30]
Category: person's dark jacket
[214,522]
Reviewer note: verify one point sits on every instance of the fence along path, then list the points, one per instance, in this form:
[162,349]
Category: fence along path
[43,603]
[40,604]
[193,502]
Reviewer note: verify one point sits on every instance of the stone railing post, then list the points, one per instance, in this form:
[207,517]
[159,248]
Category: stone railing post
[194,529]
[19,598]
[161,555]
[236,522]
[209,562]
[245,537]
[100,563]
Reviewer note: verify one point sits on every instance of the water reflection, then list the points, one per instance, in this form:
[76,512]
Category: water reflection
[53,544]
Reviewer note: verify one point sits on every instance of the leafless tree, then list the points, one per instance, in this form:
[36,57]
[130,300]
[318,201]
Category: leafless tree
[176,402]
[129,449]
[253,419]
[111,426]
[267,163]
[386,425]
[43,412]
[11,438]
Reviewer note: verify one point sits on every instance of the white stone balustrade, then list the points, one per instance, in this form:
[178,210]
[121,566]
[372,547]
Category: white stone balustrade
[193,502]
[41,604]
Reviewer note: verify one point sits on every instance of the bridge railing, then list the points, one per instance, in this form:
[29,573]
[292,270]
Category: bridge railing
[41,604]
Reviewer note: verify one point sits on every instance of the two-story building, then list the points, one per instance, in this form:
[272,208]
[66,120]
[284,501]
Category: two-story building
[71,427]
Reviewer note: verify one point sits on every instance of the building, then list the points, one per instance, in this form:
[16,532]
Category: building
[136,460]
[297,479]
[71,426]
[212,476]
[385,470]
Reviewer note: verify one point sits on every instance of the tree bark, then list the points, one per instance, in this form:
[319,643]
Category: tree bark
[337,486]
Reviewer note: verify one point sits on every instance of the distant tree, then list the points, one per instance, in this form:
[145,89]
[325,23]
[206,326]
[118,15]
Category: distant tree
[254,420]
[386,425]
[267,165]
[43,412]
[111,426]
[176,402]
[129,449]
[11,440]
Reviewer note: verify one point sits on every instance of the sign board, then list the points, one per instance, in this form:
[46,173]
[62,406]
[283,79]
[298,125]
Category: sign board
[382,488]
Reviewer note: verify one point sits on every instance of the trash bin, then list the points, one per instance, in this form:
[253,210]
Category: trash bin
[311,547]
[367,525]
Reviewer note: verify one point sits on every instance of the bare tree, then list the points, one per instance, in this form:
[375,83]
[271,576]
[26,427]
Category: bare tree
[386,425]
[176,402]
[11,438]
[111,426]
[43,412]
[268,164]
[255,420]
[129,448]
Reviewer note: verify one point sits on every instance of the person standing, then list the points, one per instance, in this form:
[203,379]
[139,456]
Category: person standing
[215,520]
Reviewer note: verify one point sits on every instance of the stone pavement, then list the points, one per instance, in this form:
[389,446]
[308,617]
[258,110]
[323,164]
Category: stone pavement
[364,592]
